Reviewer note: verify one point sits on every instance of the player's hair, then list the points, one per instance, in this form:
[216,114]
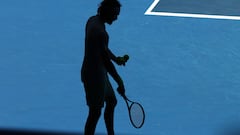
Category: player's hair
[107,6]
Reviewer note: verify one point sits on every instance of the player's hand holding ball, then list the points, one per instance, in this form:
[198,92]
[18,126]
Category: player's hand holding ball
[122,60]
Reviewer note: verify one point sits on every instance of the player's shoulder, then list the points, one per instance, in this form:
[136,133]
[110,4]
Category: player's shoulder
[94,21]
[94,24]
[92,18]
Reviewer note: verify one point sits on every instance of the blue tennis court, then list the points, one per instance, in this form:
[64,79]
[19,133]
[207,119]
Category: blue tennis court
[185,71]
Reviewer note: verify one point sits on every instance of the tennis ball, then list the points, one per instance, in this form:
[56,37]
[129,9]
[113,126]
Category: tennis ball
[126,57]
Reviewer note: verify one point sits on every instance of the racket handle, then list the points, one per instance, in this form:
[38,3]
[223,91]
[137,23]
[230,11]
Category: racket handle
[124,96]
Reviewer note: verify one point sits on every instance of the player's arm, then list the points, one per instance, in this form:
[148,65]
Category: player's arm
[118,60]
[111,55]
[113,72]
[110,67]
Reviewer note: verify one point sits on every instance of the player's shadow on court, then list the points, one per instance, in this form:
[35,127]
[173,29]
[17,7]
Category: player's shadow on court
[37,132]
[231,129]
[10,131]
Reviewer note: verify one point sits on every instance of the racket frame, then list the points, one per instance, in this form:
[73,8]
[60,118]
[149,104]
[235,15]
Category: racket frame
[129,113]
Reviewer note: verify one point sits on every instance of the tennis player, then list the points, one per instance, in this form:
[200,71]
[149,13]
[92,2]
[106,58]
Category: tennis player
[97,64]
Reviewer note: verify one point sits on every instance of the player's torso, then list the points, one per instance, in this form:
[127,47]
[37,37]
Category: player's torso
[95,40]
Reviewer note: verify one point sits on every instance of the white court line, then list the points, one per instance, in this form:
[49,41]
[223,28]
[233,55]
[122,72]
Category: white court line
[153,5]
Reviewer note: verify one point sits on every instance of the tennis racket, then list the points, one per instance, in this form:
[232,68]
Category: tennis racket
[136,112]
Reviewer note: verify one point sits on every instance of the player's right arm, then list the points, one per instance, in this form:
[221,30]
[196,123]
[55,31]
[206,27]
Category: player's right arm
[109,65]
[117,59]
[113,72]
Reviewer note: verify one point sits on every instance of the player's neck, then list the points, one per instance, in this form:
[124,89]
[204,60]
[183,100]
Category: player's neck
[101,19]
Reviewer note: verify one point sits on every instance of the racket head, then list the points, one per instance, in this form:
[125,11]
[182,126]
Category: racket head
[136,114]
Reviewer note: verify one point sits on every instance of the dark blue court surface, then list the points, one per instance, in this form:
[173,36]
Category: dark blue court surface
[203,7]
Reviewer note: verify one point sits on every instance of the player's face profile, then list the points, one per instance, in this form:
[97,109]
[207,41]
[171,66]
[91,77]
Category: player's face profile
[113,15]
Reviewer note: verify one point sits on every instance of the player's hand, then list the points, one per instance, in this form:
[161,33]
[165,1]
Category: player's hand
[121,90]
[122,60]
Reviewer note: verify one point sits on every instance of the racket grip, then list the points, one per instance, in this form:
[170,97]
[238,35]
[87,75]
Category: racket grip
[124,96]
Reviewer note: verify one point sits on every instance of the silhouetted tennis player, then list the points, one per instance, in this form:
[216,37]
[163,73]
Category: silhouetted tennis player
[97,64]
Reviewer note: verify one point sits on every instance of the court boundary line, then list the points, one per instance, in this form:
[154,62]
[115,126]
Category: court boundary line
[150,11]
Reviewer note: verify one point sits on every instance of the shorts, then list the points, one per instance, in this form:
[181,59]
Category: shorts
[98,93]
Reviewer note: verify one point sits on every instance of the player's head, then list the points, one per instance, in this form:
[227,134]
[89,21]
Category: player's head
[109,10]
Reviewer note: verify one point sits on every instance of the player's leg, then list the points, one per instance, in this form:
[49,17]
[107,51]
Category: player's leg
[95,102]
[109,118]
[91,123]
[111,102]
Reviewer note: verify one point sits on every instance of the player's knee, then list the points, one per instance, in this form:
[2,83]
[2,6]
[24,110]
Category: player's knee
[112,103]
[95,112]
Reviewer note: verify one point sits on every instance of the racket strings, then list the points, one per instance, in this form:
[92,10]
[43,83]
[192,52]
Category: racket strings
[137,115]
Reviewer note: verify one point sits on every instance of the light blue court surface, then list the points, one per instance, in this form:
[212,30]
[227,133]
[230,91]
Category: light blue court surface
[184,71]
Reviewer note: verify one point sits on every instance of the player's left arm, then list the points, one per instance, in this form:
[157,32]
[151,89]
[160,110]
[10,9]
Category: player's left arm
[111,55]
[112,71]
[118,60]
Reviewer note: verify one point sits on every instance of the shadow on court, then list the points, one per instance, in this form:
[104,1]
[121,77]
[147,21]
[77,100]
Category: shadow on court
[231,129]
[11,131]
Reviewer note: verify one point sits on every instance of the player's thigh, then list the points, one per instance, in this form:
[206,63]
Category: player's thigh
[94,94]
[110,97]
